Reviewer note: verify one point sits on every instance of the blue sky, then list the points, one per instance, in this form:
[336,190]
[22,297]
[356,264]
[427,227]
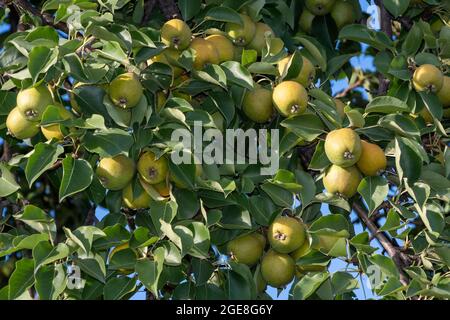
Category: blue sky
[364,62]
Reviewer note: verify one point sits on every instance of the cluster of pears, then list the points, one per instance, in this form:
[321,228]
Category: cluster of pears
[342,12]
[117,173]
[23,122]
[288,242]
[288,97]
[351,157]
[429,78]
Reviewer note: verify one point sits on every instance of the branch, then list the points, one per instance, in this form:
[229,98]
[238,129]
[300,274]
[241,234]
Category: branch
[400,259]
[386,27]
[354,85]
[45,17]
[7,154]
[169,9]
[90,218]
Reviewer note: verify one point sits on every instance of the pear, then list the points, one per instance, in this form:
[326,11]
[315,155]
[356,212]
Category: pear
[19,126]
[32,102]
[176,34]
[115,173]
[126,90]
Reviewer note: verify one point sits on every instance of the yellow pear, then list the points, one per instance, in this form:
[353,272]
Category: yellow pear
[205,53]
[342,181]
[19,126]
[444,93]
[126,90]
[343,147]
[141,201]
[262,31]
[54,131]
[241,35]
[224,46]
[305,76]
[257,105]
[290,98]
[319,7]
[32,102]
[152,170]
[278,269]
[176,34]
[246,249]
[372,160]
[115,173]
[427,77]
[306,20]
[286,234]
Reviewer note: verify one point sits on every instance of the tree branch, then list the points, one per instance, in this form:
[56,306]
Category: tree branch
[45,17]
[7,153]
[354,85]
[400,259]
[386,27]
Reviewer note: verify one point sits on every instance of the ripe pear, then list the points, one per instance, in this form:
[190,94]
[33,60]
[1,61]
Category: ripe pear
[126,90]
[241,35]
[340,106]
[278,269]
[342,181]
[176,34]
[205,53]
[166,57]
[290,98]
[343,13]
[306,20]
[427,77]
[257,105]
[286,234]
[262,31]
[141,201]
[372,160]
[19,126]
[32,102]
[343,147]
[246,249]
[116,172]
[444,93]
[152,170]
[261,238]
[306,75]
[224,46]
[54,131]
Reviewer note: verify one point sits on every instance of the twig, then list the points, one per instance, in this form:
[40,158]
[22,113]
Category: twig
[45,17]
[347,90]
[90,218]
[386,27]
[7,154]
[400,259]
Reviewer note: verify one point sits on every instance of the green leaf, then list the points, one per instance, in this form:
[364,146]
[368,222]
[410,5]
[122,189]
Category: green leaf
[396,7]
[387,105]
[180,235]
[413,39]
[261,208]
[40,60]
[315,49]
[235,217]
[45,253]
[8,184]
[109,142]
[308,285]
[95,267]
[77,176]
[279,195]
[361,33]
[343,282]
[50,281]
[237,74]
[42,158]
[37,219]
[189,8]
[307,126]
[224,14]
[21,279]
[373,190]
[149,271]
[163,210]
[117,288]
[407,161]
